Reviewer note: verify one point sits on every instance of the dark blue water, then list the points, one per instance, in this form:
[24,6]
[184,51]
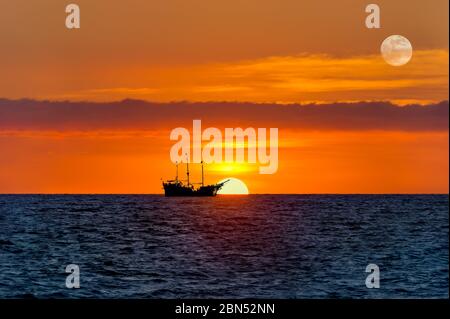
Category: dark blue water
[274,246]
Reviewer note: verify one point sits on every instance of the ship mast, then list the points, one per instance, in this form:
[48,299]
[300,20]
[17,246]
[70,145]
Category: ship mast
[187,169]
[203,179]
[176,176]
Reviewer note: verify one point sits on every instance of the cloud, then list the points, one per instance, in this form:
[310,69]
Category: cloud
[282,79]
[307,77]
[136,115]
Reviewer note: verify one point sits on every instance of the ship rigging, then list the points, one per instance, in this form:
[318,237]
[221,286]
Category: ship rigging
[178,187]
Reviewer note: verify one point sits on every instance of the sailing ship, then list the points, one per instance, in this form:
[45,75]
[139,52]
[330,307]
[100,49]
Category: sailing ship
[177,187]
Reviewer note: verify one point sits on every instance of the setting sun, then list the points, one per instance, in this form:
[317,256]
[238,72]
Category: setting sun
[233,186]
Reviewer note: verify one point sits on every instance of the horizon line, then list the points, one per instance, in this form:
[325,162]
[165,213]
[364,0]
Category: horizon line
[162,194]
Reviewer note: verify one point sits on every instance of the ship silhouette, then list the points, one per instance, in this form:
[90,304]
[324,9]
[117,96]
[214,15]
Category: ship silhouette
[177,187]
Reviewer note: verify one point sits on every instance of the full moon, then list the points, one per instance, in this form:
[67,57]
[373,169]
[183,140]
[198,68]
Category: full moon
[396,50]
[234,186]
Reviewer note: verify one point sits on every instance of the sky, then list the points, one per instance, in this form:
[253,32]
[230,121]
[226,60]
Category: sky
[304,67]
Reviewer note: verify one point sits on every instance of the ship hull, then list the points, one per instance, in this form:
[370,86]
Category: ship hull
[177,190]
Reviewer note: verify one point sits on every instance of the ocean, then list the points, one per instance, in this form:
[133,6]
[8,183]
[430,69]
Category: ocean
[256,246]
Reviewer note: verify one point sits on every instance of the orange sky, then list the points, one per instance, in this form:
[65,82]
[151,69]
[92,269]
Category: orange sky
[257,51]
[315,163]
